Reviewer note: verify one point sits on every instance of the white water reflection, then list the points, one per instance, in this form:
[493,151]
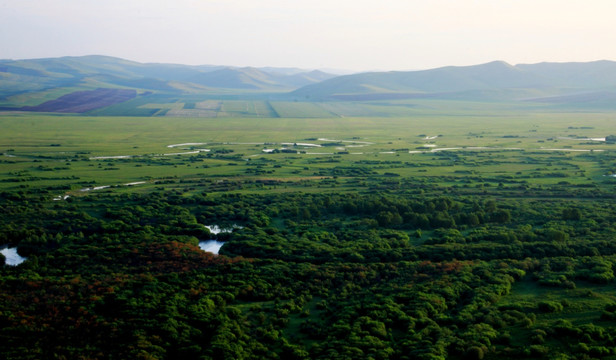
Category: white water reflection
[185,144]
[582,139]
[215,229]
[12,257]
[212,246]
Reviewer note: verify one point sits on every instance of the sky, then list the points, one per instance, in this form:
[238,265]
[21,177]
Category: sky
[357,35]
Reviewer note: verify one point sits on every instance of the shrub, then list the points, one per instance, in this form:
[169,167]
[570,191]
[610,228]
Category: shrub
[550,306]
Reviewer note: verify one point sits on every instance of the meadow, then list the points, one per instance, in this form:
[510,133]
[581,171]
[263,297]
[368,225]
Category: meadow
[536,148]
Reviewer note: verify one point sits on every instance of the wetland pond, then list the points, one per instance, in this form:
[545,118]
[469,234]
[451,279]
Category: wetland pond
[11,255]
[214,245]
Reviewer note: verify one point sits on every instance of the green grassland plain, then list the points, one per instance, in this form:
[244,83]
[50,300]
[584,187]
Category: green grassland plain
[540,147]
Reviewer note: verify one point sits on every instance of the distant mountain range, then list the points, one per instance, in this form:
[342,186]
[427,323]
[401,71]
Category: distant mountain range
[95,71]
[492,81]
[60,83]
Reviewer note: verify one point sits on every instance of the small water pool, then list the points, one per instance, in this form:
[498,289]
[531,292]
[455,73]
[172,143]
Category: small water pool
[12,257]
[212,246]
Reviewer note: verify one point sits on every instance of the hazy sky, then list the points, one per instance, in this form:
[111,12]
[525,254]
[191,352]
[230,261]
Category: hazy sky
[345,34]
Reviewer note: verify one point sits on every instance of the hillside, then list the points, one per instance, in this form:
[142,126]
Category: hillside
[84,101]
[183,90]
[60,76]
[494,80]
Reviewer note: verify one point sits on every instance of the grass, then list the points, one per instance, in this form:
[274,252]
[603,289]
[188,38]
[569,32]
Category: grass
[51,150]
[36,98]
[300,110]
[582,305]
[241,108]
[310,312]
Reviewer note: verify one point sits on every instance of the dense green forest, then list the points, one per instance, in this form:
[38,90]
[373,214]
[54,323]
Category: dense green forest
[382,275]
